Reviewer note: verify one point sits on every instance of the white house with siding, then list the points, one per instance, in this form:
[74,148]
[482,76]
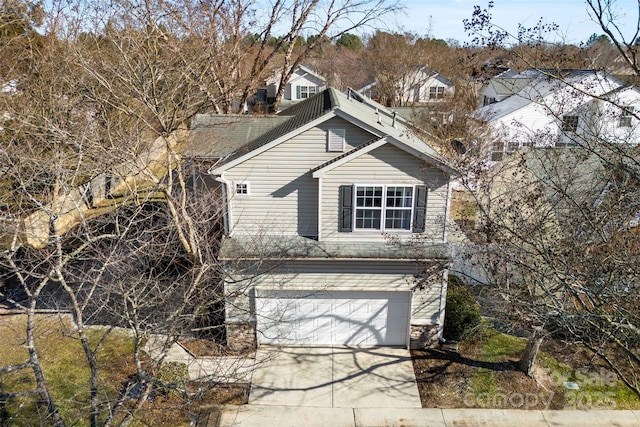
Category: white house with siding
[336,229]
[418,86]
[304,83]
[558,108]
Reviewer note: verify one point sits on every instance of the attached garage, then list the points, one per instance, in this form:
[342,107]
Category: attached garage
[305,317]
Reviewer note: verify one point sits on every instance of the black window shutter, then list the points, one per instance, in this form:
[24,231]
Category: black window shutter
[346,210]
[420,209]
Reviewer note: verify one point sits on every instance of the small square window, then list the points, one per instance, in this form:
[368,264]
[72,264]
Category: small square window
[569,123]
[497,151]
[241,188]
[625,117]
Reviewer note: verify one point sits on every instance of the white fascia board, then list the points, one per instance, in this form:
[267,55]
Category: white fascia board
[270,145]
[320,172]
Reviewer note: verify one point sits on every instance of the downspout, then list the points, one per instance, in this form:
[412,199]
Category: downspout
[319,209]
[447,212]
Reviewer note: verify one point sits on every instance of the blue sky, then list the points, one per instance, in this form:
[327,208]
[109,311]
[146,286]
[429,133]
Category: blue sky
[443,18]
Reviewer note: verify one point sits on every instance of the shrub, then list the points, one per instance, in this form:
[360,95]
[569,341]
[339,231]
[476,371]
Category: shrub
[462,313]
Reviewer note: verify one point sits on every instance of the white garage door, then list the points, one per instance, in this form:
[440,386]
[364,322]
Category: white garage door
[332,318]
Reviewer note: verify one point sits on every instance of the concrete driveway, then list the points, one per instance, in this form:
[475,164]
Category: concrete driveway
[338,377]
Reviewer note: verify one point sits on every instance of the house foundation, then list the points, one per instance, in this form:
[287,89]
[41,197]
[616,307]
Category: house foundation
[423,336]
[241,335]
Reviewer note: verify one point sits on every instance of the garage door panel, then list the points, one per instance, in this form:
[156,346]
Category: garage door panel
[337,317]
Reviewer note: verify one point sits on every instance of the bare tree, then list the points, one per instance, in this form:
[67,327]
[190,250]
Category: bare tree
[330,18]
[99,220]
[606,13]
[558,226]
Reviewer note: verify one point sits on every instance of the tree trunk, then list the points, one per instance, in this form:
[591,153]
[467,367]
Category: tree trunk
[528,358]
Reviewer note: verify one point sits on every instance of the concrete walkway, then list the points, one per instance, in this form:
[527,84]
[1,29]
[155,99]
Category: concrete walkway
[338,377]
[226,369]
[348,396]
[291,416]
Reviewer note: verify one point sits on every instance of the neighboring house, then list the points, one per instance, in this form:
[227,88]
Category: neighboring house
[303,84]
[503,86]
[558,108]
[420,86]
[336,229]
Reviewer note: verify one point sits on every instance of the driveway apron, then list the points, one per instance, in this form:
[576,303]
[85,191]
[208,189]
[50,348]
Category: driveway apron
[338,377]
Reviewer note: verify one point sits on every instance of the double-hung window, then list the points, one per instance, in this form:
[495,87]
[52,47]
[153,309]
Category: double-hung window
[436,92]
[305,92]
[625,117]
[383,207]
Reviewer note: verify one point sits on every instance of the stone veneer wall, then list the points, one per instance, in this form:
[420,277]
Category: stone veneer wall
[423,336]
[241,336]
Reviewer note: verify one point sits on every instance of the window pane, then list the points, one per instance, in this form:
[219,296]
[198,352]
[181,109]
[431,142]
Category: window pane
[399,197]
[369,197]
[398,219]
[368,218]
[570,123]
[625,117]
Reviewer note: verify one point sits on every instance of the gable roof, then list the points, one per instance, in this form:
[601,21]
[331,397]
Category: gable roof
[329,103]
[306,70]
[541,84]
[429,73]
[301,70]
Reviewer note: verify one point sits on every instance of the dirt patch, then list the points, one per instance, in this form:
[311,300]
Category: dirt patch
[175,410]
[462,379]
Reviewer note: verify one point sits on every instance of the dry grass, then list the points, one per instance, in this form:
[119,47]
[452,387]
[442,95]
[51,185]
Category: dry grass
[483,375]
[67,374]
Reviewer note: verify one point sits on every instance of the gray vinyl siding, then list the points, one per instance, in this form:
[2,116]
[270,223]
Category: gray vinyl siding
[283,195]
[335,275]
[385,165]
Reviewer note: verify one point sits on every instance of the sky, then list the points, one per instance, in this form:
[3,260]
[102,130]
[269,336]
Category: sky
[442,19]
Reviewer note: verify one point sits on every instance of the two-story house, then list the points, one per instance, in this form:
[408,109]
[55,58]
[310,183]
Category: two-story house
[304,83]
[336,229]
[544,108]
[418,86]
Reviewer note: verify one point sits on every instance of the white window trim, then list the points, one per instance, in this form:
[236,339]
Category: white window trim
[237,184]
[309,91]
[436,92]
[383,208]
[338,133]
